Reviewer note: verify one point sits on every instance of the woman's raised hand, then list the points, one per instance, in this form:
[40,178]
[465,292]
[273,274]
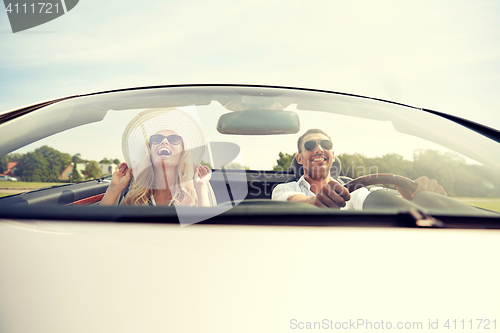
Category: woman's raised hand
[121,177]
[202,175]
[119,181]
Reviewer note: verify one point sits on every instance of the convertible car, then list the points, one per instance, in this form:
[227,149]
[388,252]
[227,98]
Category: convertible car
[249,263]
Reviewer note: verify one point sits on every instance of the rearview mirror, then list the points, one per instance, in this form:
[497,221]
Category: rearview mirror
[259,122]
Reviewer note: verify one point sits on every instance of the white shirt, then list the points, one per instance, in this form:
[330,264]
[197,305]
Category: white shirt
[283,191]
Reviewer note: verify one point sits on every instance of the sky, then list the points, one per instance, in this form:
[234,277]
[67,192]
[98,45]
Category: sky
[440,55]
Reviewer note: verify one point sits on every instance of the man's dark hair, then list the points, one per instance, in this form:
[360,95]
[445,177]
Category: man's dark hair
[312,130]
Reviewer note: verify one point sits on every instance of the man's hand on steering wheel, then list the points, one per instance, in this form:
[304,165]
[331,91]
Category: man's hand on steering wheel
[424,184]
[331,195]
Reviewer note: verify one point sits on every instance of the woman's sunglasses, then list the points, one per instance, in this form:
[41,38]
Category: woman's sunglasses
[310,145]
[156,139]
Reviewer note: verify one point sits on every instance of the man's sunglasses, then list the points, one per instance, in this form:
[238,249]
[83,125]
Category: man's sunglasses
[156,139]
[310,145]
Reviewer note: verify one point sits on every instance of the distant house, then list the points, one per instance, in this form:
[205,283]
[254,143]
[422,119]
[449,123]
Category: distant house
[68,171]
[107,168]
[11,167]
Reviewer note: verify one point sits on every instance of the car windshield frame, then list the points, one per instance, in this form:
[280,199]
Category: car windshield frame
[90,108]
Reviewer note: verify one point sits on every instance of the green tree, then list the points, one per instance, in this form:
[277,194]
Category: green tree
[45,164]
[92,171]
[75,176]
[206,164]
[110,161]
[56,160]
[391,163]
[456,176]
[354,165]
[33,167]
[4,163]
[235,166]
[77,158]
[283,162]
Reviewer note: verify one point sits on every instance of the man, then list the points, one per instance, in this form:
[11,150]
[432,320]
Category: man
[316,187]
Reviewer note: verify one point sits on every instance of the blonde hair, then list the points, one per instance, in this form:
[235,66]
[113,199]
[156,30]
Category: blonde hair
[182,187]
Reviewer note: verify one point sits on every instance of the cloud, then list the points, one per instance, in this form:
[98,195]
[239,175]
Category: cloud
[440,55]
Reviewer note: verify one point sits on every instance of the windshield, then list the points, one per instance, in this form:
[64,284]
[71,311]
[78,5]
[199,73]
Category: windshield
[252,132]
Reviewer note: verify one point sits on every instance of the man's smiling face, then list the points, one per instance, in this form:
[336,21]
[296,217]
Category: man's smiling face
[318,161]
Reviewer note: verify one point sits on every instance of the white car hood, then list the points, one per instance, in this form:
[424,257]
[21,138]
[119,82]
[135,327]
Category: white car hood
[106,277]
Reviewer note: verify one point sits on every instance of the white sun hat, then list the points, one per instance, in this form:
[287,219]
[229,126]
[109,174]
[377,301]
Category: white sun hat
[135,139]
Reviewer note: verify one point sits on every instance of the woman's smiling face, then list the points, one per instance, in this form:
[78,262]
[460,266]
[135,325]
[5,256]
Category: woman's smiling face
[166,151]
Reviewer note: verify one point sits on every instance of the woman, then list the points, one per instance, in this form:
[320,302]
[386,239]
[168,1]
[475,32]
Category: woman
[163,150]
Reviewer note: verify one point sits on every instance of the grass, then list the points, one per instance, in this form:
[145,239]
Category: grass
[20,187]
[486,203]
[14,185]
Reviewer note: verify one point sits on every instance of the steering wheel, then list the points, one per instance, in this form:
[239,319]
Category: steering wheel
[381,178]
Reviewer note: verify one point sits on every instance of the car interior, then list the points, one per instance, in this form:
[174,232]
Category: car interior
[257,122]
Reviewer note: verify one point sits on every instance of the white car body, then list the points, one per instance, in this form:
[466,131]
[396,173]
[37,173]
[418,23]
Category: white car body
[251,264]
[105,277]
